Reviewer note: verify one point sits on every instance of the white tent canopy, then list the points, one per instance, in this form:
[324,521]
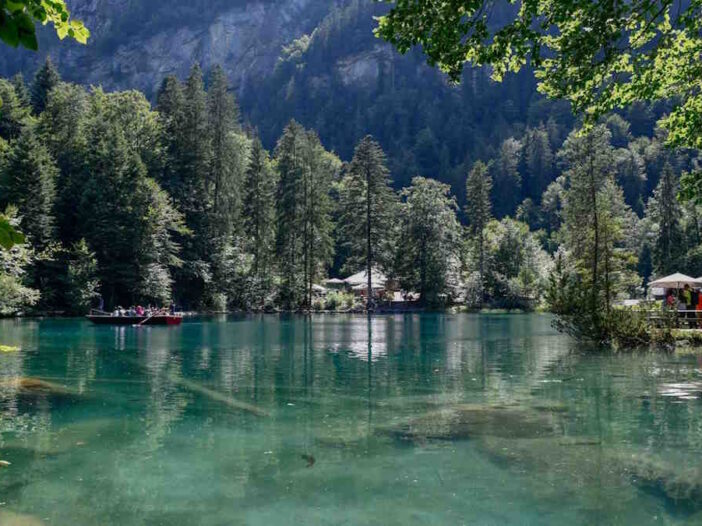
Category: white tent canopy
[675,281]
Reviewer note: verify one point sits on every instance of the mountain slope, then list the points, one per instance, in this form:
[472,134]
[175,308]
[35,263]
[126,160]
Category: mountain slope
[312,60]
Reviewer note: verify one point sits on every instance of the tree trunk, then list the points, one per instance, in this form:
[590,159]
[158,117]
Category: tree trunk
[596,226]
[369,256]
[481,250]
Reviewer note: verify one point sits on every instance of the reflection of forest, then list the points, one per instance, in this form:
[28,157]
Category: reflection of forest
[342,387]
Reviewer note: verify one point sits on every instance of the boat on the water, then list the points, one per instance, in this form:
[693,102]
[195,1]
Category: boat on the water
[158,319]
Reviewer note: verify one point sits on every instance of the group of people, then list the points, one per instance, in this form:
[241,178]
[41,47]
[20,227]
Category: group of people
[687,300]
[140,311]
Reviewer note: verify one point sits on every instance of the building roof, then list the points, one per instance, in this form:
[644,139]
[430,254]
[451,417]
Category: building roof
[361,278]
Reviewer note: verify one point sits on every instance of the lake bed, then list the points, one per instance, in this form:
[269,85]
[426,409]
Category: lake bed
[343,419]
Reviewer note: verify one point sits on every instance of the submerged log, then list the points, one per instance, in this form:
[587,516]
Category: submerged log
[10,518]
[220,397]
[35,386]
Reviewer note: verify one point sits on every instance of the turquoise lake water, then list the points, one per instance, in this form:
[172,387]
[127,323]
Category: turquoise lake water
[393,420]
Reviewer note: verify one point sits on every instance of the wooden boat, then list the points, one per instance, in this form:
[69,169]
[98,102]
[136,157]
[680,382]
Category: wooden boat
[158,319]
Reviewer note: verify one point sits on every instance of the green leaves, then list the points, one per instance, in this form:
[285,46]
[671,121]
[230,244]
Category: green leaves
[9,237]
[18,18]
[597,55]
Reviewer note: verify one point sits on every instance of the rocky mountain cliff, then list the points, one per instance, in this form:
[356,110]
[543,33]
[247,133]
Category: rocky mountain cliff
[135,43]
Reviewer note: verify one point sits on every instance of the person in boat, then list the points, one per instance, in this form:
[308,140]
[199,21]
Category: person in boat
[140,310]
[172,308]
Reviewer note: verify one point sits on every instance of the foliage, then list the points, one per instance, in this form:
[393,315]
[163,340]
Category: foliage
[82,283]
[14,262]
[180,203]
[594,235]
[479,213]
[29,182]
[45,79]
[14,113]
[339,301]
[517,267]
[428,248]
[304,227]
[18,18]
[599,56]
[260,219]
[665,212]
[9,236]
[368,210]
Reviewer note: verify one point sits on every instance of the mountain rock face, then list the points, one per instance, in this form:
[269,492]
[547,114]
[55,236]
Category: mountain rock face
[134,44]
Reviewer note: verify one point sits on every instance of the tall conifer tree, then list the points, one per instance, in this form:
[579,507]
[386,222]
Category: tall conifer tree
[367,210]
[45,79]
[259,209]
[666,213]
[30,174]
[479,212]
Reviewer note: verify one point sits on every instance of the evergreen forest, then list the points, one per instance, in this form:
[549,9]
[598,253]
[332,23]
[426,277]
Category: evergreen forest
[123,201]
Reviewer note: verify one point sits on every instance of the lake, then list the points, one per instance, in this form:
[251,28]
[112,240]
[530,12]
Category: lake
[336,419]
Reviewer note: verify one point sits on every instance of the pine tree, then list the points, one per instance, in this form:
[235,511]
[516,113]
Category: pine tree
[317,226]
[62,129]
[45,79]
[82,284]
[368,207]
[14,116]
[21,89]
[428,249]
[595,216]
[30,177]
[191,186]
[507,189]
[259,209]
[290,160]
[229,159]
[170,104]
[479,212]
[536,163]
[304,243]
[666,213]
[124,216]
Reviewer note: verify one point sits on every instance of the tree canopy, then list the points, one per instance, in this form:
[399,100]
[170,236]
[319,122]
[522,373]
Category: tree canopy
[597,55]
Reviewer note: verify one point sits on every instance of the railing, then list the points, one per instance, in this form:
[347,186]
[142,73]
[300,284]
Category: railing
[675,318]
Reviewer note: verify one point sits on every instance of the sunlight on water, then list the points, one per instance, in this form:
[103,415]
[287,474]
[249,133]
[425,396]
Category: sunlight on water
[416,419]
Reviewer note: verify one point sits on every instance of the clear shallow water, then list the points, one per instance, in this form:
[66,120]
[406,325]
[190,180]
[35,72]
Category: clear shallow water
[417,419]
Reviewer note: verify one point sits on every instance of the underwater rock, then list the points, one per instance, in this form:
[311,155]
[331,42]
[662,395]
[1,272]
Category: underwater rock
[680,484]
[469,421]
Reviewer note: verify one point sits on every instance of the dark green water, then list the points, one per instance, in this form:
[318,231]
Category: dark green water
[417,419]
